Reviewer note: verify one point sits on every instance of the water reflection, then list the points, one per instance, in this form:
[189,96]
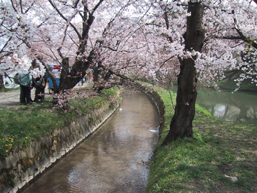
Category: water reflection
[111,160]
[239,106]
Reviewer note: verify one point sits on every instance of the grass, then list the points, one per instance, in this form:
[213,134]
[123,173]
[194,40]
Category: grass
[221,157]
[22,124]
[7,89]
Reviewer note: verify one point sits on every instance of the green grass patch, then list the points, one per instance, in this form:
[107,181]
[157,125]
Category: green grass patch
[221,157]
[22,124]
[8,89]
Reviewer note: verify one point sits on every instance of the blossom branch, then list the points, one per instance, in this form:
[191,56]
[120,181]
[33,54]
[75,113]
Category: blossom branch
[62,16]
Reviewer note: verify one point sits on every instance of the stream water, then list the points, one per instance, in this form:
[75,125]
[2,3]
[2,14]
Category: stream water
[238,106]
[113,159]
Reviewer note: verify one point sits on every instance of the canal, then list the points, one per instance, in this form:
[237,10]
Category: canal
[113,159]
[239,106]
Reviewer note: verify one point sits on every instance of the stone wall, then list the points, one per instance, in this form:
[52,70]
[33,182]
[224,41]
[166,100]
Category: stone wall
[21,167]
[159,104]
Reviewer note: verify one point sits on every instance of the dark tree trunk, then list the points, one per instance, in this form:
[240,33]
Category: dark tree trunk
[108,75]
[181,123]
[70,76]
[96,74]
[1,82]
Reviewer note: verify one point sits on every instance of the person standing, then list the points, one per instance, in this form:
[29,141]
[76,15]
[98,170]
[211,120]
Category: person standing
[35,69]
[25,81]
[40,85]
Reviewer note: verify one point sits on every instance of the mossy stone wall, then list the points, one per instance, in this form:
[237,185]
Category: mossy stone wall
[21,167]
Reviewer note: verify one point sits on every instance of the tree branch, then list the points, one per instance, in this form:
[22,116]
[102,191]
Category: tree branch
[97,5]
[13,6]
[165,62]
[5,44]
[59,52]
[240,37]
[244,38]
[42,23]
[62,16]
[76,4]
[21,6]
[87,23]
[29,7]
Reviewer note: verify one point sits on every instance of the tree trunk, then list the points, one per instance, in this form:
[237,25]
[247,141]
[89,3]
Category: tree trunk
[1,82]
[70,76]
[181,123]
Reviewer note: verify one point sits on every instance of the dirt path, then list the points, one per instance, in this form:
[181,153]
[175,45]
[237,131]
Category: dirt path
[12,97]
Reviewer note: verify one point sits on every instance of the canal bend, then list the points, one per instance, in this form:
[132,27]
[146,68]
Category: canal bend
[114,158]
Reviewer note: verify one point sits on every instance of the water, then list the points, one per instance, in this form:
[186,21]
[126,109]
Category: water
[113,159]
[238,106]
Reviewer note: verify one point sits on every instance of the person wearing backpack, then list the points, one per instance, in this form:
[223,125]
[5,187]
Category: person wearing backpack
[40,84]
[25,81]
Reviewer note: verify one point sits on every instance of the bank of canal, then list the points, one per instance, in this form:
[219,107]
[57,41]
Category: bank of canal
[114,159]
[221,157]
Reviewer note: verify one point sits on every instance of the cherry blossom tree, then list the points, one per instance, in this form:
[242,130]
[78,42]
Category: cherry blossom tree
[60,31]
[17,33]
[229,36]
[67,32]
[86,33]
[181,124]
[227,42]
[132,38]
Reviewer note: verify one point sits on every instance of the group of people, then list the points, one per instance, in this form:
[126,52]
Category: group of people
[28,82]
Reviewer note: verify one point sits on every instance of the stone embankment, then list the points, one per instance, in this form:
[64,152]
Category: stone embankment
[22,167]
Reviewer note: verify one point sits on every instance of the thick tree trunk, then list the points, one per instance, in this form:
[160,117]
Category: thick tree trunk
[1,82]
[181,124]
[70,76]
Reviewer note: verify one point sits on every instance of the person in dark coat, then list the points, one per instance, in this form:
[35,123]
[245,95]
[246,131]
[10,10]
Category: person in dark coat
[40,84]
